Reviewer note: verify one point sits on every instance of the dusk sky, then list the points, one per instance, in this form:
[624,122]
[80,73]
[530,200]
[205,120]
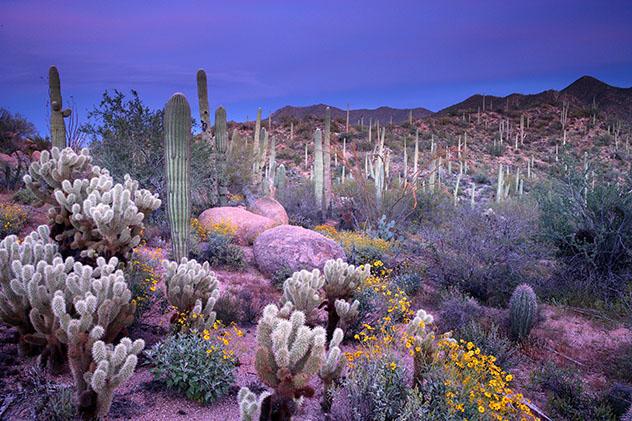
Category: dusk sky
[366,53]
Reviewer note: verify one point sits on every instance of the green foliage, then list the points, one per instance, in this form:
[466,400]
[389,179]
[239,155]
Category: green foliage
[127,137]
[491,342]
[372,391]
[567,398]
[218,249]
[591,231]
[365,254]
[457,310]
[281,275]
[50,401]
[242,307]
[184,364]
[409,282]
[12,219]
[24,197]
[523,311]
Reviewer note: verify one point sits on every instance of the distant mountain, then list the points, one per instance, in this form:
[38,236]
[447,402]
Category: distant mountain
[613,101]
[383,114]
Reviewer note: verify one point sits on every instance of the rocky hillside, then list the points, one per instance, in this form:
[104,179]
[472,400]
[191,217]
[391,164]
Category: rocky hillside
[384,114]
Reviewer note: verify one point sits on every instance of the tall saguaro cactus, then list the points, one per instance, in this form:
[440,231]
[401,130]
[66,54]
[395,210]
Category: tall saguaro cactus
[205,119]
[327,159]
[205,116]
[177,122]
[57,113]
[318,168]
[221,146]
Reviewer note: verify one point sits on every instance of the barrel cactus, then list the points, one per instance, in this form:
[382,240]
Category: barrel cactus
[178,168]
[523,309]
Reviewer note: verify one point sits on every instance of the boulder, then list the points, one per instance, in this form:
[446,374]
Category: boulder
[248,225]
[270,208]
[294,248]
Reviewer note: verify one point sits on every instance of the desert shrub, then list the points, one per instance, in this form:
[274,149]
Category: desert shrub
[591,231]
[127,137]
[142,278]
[300,203]
[24,197]
[12,219]
[491,342]
[283,273]
[567,398]
[14,132]
[359,247]
[240,307]
[458,310]
[486,254]
[481,178]
[193,366]
[215,245]
[409,282]
[620,366]
[49,401]
[374,390]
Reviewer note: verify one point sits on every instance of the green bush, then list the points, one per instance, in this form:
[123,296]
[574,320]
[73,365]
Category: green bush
[12,219]
[24,197]
[192,366]
[374,390]
[409,282]
[218,249]
[491,342]
[590,228]
[49,401]
[567,398]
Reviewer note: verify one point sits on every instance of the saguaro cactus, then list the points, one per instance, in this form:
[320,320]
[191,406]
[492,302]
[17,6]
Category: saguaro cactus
[205,119]
[178,162]
[327,159]
[523,309]
[221,146]
[318,168]
[57,113]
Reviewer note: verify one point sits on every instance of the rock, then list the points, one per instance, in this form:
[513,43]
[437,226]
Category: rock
[270,208]
[294,248]
[248,225]
[8,161]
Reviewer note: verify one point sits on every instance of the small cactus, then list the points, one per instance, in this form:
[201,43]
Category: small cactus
[332,368]
[302,291]
[178,168]
[523,309]
[250,405]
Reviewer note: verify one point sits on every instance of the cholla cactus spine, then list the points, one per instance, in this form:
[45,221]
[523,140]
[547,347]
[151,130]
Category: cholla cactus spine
[347,312]
[57,113]
[178,167]
[301,289]
[250,405]
[332,368]
[523,309]
[192,289]
[114,366]
[420,340]
[288,355]
[341,279]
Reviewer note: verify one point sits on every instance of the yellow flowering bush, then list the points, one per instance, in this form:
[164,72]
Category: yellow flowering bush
[473,386]
[221,228]
[12,219]
[142,275]
[359,246]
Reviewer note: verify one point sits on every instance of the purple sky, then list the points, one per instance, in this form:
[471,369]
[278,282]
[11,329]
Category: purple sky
[366,53]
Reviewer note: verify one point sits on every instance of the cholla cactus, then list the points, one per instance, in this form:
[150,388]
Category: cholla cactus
[192,289]
[102,309]
[302,291]
[250,405]
[347,312]
[288,355]
[341,279]
[114,366]
[14,303]
[332,367]
[420,341]
[523,309]
[90,213]
[42,283]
